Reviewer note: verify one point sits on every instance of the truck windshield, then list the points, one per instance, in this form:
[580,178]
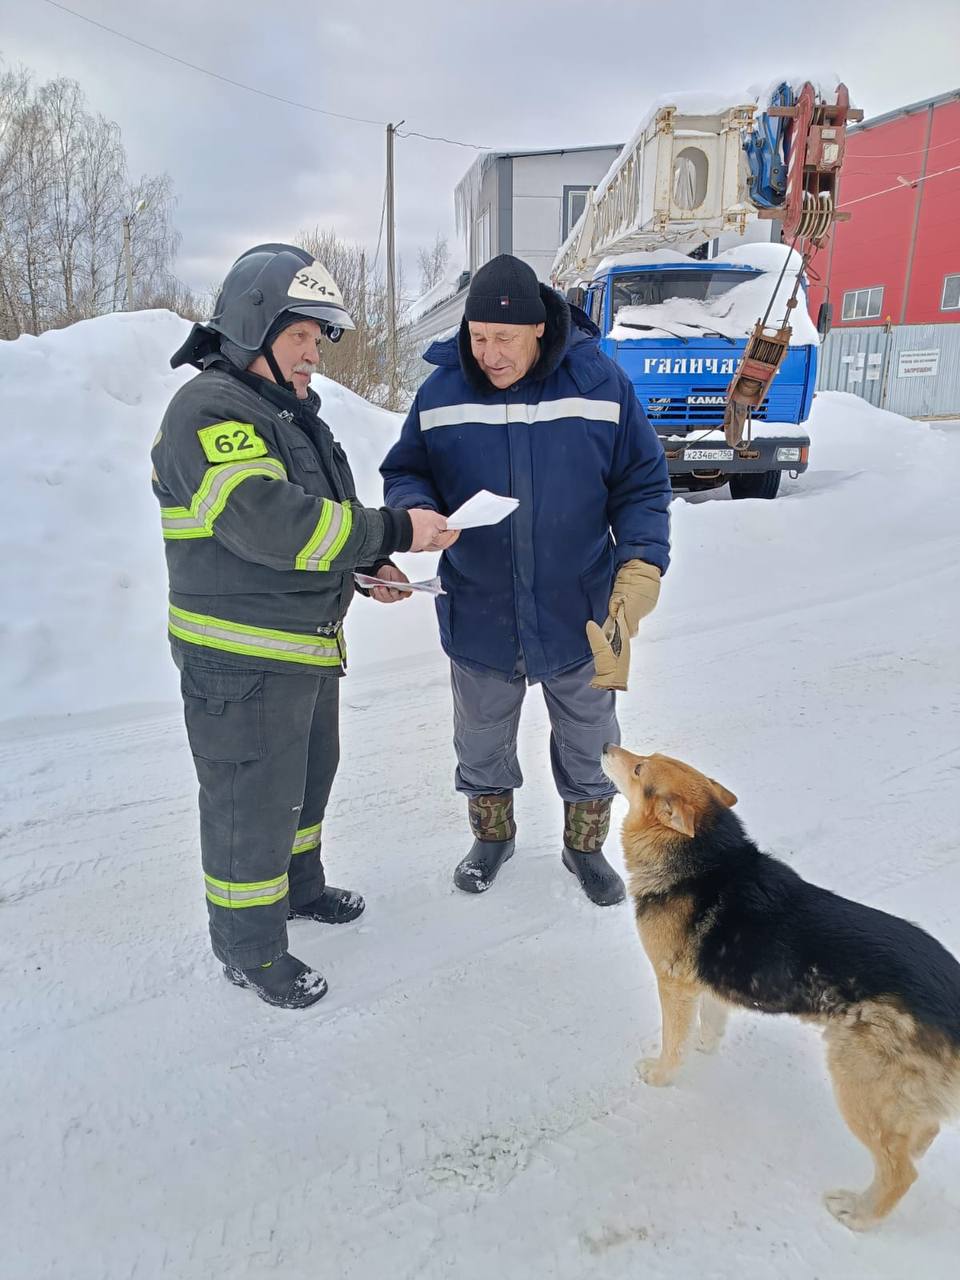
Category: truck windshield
[650,288]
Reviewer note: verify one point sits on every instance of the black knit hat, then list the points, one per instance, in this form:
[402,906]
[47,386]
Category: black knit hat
[505,291]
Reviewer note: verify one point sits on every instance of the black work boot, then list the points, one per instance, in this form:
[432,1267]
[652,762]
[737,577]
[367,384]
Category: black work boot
[332,906]
[491,821]
[585,828]
[285,982]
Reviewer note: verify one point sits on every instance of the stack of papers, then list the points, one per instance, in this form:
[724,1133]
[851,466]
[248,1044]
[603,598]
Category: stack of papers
[431,586]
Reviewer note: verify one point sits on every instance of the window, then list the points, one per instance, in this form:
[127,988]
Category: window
[862,304]
[574,203]
[481,239]
[596,305]
[951,294]
[690,172]
[649,288]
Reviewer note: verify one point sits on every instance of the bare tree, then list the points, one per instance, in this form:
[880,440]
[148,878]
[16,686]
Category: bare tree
[66,124]
[14,131]
[64,192]
[433,262]
[360,359]
[27,261]
[174,295]
[155,242]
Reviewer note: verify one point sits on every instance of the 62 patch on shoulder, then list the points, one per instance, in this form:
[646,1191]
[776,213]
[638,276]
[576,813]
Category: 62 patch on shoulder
[231,442]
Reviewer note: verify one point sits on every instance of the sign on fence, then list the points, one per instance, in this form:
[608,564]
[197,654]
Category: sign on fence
[918,364]
[913,369]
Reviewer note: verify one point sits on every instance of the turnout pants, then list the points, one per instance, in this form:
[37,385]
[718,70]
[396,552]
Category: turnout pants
[266,748]
[486,715]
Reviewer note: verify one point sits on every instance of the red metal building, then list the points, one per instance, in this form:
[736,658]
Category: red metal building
[898,259]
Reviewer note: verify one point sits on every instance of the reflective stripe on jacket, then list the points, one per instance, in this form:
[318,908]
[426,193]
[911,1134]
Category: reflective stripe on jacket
[261,524]
[571,442]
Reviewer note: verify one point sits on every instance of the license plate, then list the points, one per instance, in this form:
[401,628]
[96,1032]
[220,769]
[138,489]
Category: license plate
[707,455]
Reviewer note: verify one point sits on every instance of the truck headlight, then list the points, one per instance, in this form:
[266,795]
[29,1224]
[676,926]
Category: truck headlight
[788,455]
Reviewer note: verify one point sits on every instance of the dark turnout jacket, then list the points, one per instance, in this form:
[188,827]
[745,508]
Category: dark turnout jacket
[261,523]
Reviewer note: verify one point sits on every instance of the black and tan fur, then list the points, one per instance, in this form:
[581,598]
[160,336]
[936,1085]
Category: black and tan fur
[727,925]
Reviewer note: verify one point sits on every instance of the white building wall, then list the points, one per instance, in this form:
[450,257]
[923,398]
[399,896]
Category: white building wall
[757,232]
[538,184]
[535,222]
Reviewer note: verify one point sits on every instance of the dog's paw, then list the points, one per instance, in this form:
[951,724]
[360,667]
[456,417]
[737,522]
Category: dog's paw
[708,1043]
[652,1071]
[850,1208]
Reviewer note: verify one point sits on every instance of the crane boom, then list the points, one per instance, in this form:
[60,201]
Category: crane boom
[689,175]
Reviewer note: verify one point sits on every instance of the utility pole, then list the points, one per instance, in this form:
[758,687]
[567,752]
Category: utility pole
[128,258]
[391,267]
[391,273]
[362,307]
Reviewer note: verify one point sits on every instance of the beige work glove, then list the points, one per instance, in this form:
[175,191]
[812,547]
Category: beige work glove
[635,592]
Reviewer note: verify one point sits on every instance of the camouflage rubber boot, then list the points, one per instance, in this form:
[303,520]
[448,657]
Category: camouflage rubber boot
[493,827]
[585,827]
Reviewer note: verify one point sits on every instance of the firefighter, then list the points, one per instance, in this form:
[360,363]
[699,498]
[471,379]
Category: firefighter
[263,532]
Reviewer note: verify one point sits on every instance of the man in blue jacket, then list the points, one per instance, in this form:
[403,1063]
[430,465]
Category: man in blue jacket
[524,403]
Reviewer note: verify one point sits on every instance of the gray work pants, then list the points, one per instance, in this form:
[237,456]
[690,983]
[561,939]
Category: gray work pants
[266,748]
[486,717]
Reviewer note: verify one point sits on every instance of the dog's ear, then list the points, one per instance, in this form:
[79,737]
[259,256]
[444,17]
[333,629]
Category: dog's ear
[675,813]
[723,795]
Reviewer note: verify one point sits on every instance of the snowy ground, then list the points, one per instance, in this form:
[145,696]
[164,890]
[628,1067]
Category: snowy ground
[463,1103]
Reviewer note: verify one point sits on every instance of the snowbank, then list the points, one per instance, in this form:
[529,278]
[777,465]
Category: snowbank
[474,1108]
[83,579]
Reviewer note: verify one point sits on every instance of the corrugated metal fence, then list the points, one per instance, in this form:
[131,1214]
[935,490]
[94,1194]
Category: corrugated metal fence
[913,369]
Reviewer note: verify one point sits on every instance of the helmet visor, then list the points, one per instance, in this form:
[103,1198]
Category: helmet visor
[325,313]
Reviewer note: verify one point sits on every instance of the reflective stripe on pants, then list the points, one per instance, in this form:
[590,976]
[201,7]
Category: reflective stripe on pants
[266,748]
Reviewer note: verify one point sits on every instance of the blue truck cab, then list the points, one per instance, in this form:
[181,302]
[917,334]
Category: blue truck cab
[681,371]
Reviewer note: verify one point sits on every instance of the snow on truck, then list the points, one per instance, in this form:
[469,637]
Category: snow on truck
[721,351]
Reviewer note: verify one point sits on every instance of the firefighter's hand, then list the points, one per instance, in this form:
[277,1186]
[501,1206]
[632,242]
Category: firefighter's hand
[430,532]
[386,595]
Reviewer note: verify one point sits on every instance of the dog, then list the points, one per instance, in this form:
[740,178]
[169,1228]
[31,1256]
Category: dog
[727,925]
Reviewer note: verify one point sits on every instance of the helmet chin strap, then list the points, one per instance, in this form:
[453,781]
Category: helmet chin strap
[267,352]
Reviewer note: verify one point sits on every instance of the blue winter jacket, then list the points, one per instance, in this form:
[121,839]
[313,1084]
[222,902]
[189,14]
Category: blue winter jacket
[571,442]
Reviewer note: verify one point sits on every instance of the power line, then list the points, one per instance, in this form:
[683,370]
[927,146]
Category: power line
[383,210]
[248,88]
[412,133]
[899,155]
[237,84]
[901,186]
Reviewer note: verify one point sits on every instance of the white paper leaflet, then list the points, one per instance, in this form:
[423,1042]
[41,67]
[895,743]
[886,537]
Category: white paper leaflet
[431,586]
[483,508]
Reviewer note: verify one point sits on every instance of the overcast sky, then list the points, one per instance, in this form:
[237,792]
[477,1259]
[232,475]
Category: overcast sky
[507,74]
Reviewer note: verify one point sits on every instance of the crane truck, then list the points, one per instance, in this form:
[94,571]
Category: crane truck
[721,350]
